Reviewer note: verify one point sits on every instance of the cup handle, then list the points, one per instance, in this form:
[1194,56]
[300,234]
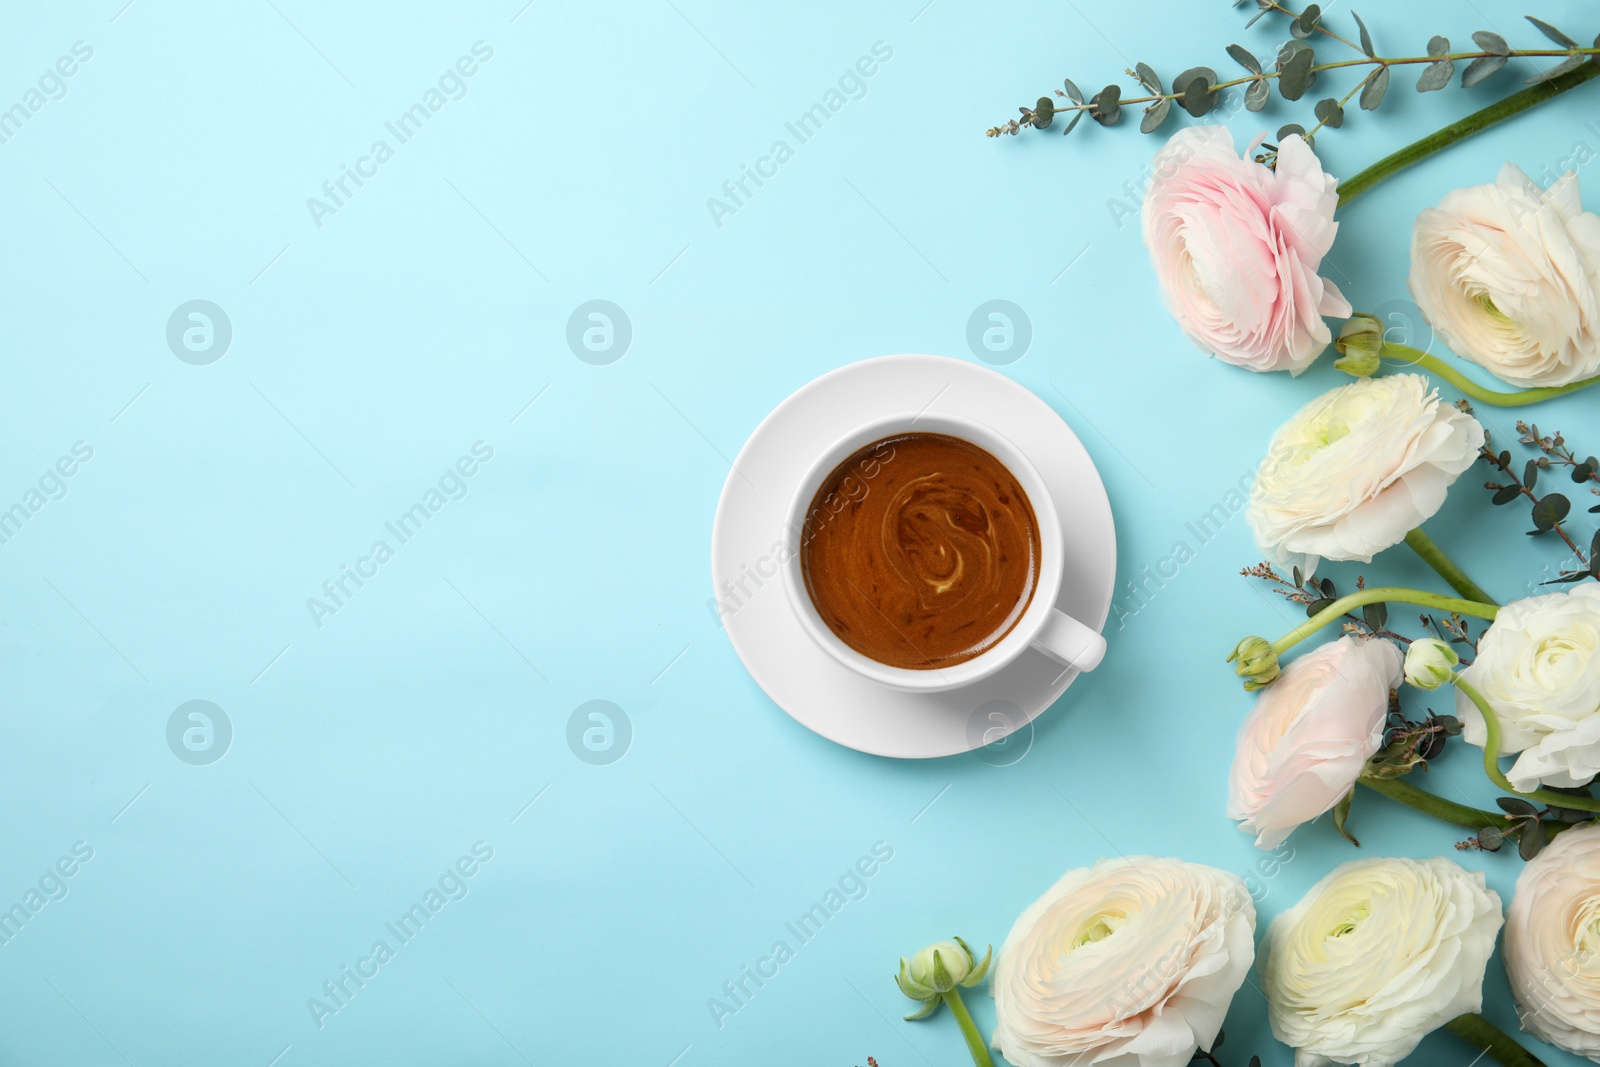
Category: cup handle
[1068,641]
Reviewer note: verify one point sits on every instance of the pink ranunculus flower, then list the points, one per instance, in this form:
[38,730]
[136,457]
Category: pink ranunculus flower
[1306,741]
[1552,944]
[1236,248]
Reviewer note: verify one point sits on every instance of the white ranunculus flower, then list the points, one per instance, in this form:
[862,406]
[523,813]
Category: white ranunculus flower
[1538,667]
[1357,469]
[1552,947]
[1129,963]
[1378,954]
[1509,275]
[1307,740]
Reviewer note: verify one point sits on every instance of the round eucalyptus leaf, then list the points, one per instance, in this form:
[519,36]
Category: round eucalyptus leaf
[1155,115]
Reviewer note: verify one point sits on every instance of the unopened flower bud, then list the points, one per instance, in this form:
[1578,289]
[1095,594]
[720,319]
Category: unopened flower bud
[1360,346]
[938,969]
[1257,663]
[1430,663]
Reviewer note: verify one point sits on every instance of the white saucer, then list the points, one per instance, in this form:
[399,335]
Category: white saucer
[816,690]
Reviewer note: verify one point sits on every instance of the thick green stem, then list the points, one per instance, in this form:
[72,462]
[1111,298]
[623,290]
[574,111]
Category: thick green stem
[1545,89]
[1418,799]
[1491,758]
[1434,556]
[1449,811]
[1480,1033]
[1412,357]
[969,1029]
[1381,595]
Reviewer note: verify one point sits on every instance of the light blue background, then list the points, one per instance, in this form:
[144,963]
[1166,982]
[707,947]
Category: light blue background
[368,354]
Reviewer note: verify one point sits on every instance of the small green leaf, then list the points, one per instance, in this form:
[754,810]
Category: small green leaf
[1366,38]
[1256,97]
[1306,24]
[1530,473]
[1491,42]
[1329,113]
[1316,606]
[1549,511]
[1155,115]
[1581,472]
[1107,110]
[1435,76]
[1480,69]
[1073,92]
[1505,459]
[1438,46]
[1490,839]
[1551,32]
[1375,615]
[1531,842]
[1516,806]
[1147,77]
[1198,96]
[1077,116]
[1507,494]
[1299,579]
[1376,85]
[1295,75]
[1245,59]
[1329,590]
[1570,63]
[1341,812]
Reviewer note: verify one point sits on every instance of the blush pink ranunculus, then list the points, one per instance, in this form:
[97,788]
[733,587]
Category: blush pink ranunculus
[1304,744]
[1237,246]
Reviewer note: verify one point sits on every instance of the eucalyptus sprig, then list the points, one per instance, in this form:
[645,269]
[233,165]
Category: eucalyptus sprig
[1549,510]
[1294,70]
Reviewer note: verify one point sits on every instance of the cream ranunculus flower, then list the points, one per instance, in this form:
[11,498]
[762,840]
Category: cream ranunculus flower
[1307,740]
[1236,248]
[1509,276]
[1129,963]
[1378,954]
[1538,667]
[1357,469]
[1552,947]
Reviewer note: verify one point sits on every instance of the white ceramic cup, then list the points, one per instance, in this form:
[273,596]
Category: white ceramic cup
[1042,626]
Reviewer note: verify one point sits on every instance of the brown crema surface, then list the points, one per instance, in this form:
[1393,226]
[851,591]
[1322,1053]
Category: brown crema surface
[920,551]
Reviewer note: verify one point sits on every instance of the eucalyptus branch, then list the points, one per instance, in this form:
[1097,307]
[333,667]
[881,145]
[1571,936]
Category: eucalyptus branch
[1558,454]
[1548,510]
[1295,68]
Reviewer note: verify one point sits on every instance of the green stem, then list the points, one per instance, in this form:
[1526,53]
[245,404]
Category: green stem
[969,1029]
[1380,595]
[1491,758]
[1412,357]
[1482,1034]
[1434,556]
[1418,799]
[1498,111]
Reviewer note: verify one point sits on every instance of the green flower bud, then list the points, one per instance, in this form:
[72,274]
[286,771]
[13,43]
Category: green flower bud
[1360,346]
[937,969]
[1257,663]
[1430,663]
